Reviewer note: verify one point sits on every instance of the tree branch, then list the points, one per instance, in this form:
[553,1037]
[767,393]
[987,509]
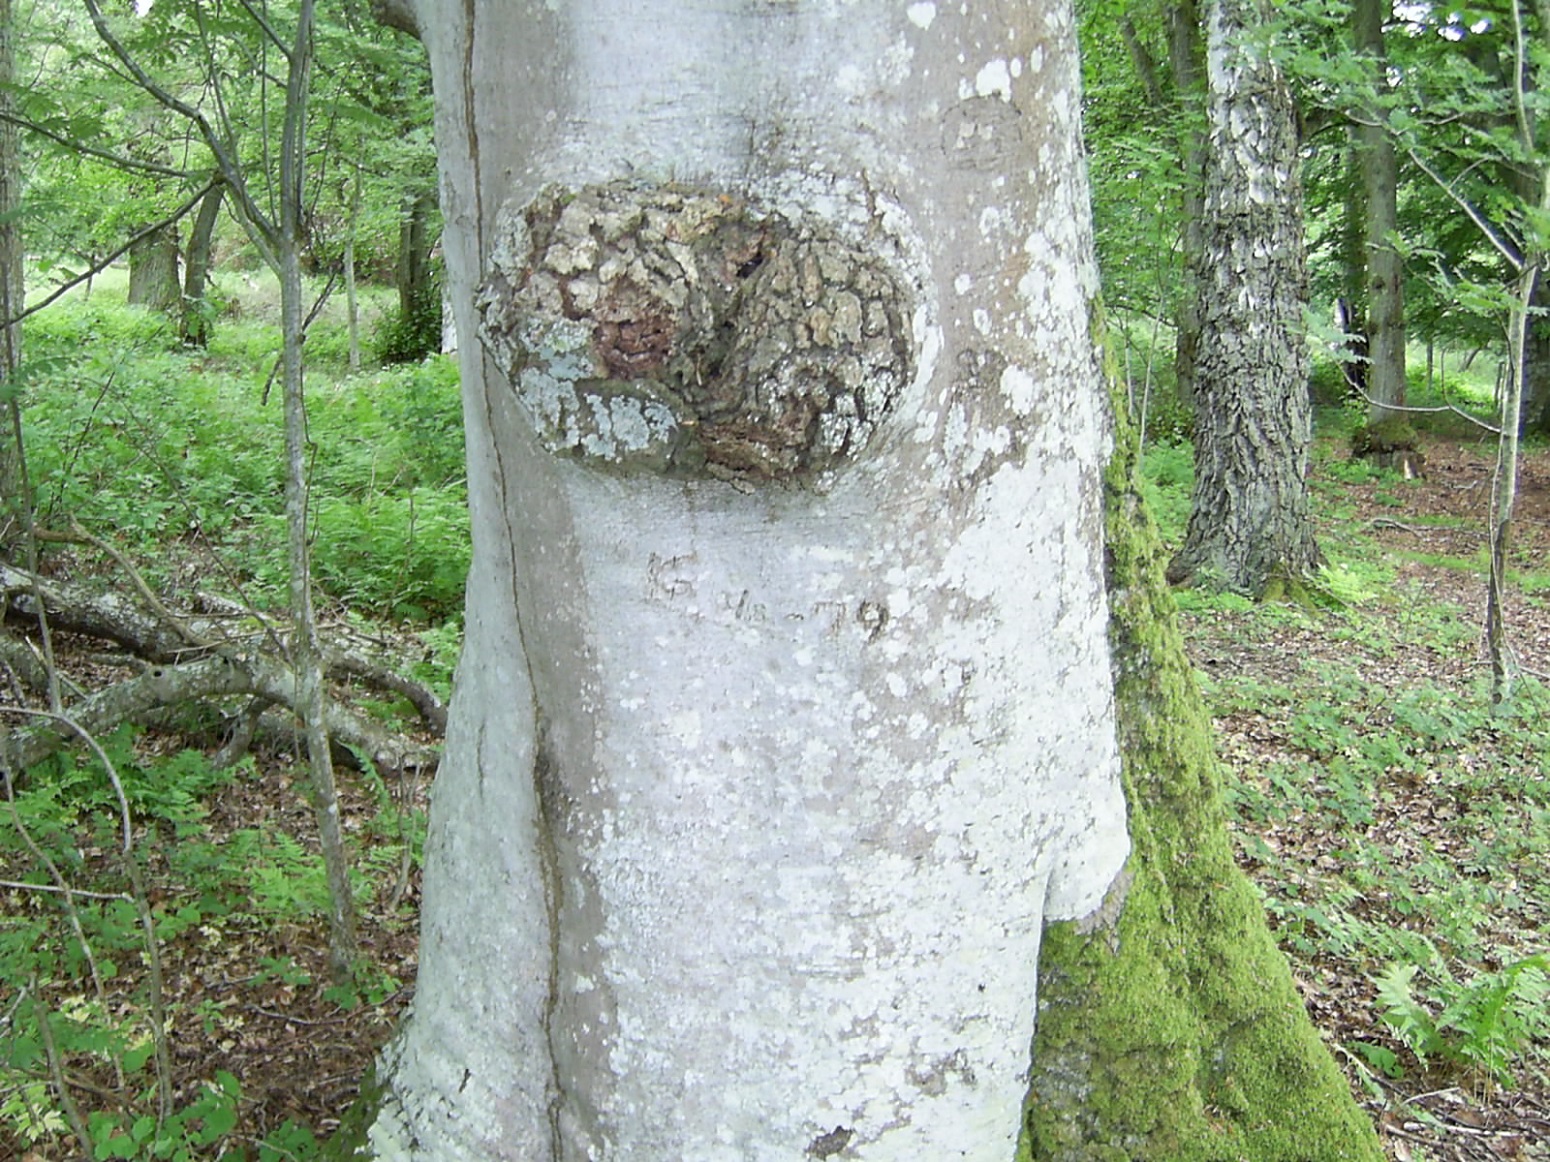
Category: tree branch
[263,229]
[1502,245]
[98,267]
[114,159]
[218,676]
[1458,411]
[170,637]
[268,30]
[399,14]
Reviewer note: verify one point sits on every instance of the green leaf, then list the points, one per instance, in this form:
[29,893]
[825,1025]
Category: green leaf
[1379,1057]
[218,1122]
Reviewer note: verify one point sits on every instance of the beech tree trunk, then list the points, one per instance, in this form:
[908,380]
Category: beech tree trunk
[1384,281]
[1250,521]
[785,721]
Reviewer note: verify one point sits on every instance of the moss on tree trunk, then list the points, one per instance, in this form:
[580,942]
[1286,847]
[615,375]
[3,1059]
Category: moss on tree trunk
[1169,1026]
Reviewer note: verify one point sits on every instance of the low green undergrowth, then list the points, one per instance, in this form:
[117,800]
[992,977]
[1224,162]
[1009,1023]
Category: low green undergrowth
[157,447]
[156,909]
[1396,824]
[92,971]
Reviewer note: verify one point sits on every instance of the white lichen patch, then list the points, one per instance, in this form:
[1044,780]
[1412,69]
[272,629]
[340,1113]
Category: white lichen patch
[694,332]
[994,80]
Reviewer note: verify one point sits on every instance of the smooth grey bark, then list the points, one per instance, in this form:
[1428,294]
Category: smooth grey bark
[1531,277]
[783,723]
[399,14]
[1250,519]
[305,649]
[1384,281]
[1504,486]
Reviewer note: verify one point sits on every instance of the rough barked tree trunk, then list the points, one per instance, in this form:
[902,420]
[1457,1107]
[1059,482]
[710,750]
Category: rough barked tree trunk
[1384,266]
[153,271]
[1250,519]
[785,720]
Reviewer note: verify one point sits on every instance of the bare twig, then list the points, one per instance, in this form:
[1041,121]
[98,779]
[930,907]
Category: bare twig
[158,995]
[56,1070]
[268,29]
[117,160]
[1458,411]
[138,581]
[83,893]
[242,734]
[63,885]
[142,908]
[1492,235]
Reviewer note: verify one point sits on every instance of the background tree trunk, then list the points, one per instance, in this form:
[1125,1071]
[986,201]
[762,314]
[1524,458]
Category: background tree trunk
[784,722]
[196,320]
[1185,54]
[1350,313]
[12,297]
[1250,520]
[153,271]
[352,302]
[1380,181]
[1536,365]
[414,253]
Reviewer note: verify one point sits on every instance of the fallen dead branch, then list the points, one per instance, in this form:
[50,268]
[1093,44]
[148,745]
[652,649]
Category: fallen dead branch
[196,656]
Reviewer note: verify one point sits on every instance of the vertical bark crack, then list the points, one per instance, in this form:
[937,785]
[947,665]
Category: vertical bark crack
[546,791]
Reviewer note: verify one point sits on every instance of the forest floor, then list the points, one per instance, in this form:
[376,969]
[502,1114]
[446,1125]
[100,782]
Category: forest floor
[1352,814]
[250,997]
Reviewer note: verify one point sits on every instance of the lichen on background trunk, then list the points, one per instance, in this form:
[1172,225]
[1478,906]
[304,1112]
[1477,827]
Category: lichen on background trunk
[1169,1026]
